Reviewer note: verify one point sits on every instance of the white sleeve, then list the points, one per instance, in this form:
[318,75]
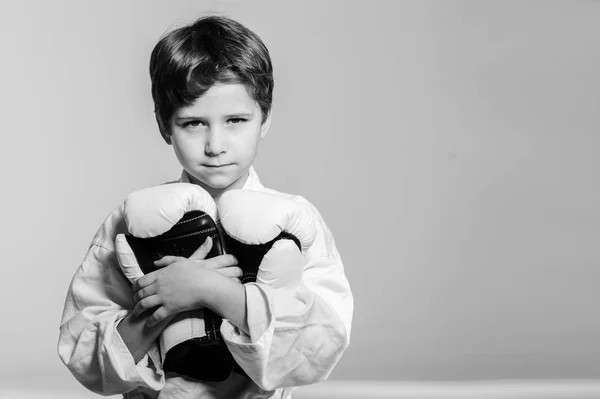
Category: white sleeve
[99,297]
[296,338]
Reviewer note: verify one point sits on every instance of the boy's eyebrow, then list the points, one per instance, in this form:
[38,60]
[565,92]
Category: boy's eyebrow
[232,115]
[187,117]
[239,115]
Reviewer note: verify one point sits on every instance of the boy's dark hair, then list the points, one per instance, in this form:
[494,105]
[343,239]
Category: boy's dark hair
[189,60]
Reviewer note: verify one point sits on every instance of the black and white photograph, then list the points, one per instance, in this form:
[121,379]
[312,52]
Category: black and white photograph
[331,199]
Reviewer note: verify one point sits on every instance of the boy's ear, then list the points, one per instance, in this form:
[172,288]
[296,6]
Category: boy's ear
[265,126]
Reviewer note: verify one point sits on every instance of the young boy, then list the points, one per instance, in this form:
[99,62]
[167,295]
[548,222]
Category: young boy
[212,84]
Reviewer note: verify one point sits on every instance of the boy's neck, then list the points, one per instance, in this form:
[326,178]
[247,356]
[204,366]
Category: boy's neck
[216,192]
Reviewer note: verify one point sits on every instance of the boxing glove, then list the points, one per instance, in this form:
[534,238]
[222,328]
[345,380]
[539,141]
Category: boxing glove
[268,234]
[175,219]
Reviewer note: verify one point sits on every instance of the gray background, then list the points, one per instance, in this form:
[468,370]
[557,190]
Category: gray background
[452,147]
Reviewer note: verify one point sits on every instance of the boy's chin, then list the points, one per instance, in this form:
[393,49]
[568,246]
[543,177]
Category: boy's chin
[215,183]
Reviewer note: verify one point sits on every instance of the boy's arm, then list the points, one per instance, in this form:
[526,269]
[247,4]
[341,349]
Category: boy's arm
[137,336]
[294,338]
[98,300]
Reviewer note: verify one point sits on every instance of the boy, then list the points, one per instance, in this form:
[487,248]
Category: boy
[212,84]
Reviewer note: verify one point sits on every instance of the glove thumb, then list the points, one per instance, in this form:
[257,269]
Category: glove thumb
[127,259]
[282,266]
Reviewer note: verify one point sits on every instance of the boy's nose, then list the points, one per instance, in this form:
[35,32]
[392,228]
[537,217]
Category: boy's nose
[215,143]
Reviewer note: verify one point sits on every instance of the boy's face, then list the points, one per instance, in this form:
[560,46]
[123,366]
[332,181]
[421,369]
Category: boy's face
[216,138]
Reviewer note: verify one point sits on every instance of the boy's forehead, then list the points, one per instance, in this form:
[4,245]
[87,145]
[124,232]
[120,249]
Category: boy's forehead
[221,98]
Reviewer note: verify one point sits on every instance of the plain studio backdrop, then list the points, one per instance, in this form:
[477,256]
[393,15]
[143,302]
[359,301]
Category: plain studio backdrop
[452,147]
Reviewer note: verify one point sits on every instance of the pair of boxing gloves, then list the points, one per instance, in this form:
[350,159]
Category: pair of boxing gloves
[267,233]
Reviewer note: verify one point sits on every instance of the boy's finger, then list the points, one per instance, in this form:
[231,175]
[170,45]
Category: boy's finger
[143,281]
[144,292]
[167,260]
[202,250]
[221,261]
[158,316]
[232,271]
[145,304]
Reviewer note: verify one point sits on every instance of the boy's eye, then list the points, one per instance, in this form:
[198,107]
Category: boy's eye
[236,120]
[192,123]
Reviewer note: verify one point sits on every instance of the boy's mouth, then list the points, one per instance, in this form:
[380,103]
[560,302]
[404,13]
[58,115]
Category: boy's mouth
[215,166]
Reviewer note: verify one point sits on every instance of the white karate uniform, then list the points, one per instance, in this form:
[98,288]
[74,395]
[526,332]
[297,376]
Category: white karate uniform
[295,338]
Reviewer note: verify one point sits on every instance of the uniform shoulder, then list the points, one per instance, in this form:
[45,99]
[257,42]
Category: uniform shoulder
[113,224]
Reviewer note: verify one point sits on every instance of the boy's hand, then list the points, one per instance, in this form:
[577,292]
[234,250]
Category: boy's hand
[178,286]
